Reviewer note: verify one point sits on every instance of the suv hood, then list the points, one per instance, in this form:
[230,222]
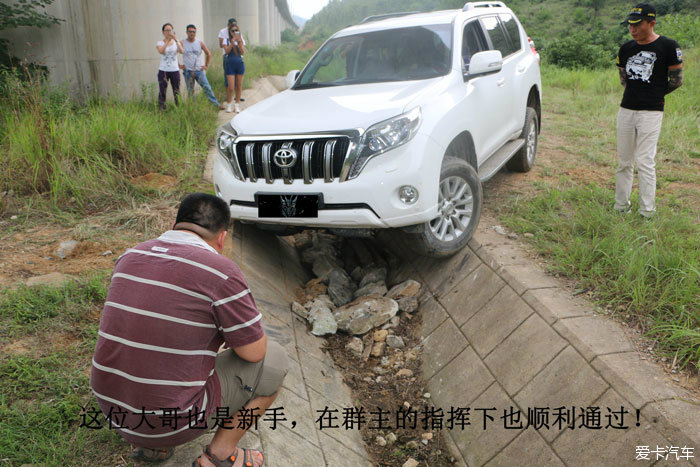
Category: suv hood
[332,108]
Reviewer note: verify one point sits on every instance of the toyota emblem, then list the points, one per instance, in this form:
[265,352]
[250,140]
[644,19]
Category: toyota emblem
[285,158]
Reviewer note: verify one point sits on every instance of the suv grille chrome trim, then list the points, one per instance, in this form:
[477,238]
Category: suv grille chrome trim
[322,157]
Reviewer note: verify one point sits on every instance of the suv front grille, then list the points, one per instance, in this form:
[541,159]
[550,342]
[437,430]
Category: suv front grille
[317,158]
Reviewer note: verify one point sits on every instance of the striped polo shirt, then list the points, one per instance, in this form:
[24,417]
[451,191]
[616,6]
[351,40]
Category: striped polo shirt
[171,304]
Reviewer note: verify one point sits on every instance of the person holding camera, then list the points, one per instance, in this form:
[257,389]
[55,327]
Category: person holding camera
[234,68]
[168,70]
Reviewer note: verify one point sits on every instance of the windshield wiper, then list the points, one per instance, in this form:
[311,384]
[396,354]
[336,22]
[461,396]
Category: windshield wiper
[314,85]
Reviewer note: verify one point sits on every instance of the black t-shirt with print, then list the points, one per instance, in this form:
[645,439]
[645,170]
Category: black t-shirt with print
[647,72]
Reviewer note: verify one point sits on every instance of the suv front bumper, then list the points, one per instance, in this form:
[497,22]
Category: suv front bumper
[371,200]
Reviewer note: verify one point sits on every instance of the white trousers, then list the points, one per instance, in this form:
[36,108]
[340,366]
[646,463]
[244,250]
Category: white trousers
[637,135]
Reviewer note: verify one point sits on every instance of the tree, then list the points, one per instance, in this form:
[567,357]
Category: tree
[26,13]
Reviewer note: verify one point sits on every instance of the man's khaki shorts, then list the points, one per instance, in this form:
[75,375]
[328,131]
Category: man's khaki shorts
[243,381]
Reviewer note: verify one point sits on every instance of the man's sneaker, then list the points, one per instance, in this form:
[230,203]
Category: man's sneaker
[647,214]
[236,108]
[228,108]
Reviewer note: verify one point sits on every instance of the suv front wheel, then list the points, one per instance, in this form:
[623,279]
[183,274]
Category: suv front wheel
[459,209]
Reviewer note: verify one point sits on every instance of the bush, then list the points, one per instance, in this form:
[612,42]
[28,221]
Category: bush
[577,51]
[685,29]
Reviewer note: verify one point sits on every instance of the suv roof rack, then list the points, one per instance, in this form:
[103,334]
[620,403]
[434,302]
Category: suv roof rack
[369,19]
[471,5]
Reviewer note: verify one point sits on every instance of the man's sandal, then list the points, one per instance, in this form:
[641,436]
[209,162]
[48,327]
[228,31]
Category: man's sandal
[152,455]
[249,456]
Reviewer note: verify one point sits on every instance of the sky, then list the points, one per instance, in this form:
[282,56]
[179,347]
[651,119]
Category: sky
[306,8]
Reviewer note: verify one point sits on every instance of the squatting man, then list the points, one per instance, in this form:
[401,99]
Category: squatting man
[172,302]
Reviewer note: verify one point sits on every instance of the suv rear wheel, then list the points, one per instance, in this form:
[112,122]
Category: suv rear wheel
[459,209]
[524,159]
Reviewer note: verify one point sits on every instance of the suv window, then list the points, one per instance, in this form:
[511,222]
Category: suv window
[498,36]
[473,41]
[513,31]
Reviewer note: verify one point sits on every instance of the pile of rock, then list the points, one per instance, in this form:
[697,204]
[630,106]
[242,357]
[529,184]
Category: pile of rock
[350,290]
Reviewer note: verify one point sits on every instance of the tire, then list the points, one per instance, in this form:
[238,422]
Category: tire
[524,159]
[450,231]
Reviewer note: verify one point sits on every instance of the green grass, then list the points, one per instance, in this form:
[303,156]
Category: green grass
[45,386]
[648,269]
[82,157]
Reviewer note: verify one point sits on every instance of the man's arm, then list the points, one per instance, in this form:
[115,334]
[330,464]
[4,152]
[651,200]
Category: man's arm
[207,54]
[253,352]
[675,78]
[623,76]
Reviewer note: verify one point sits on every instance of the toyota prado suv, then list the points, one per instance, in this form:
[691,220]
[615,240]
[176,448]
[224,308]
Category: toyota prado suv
[393,123]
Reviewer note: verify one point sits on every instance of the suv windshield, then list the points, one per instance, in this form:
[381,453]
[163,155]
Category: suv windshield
[404,54]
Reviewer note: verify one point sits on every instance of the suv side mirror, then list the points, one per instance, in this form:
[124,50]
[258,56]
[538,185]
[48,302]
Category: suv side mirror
[484,63]
[291,78]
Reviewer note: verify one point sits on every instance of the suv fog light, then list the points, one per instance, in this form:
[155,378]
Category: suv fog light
[408,194]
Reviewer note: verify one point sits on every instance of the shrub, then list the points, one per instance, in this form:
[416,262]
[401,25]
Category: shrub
[577,51]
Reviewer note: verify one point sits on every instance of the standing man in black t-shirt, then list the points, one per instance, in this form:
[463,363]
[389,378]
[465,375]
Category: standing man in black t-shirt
[650,66]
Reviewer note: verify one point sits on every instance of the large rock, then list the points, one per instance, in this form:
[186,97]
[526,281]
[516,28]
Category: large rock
[310,255]
[65,248]
[373,288]
[408,304]
[340,286]
[323,266]
[55,279]
[320,301]
[373,275]
[298,309]
[409,288]
[322,320]
[362,315]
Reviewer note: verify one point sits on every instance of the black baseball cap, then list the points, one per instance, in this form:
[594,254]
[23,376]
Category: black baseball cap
[640,12]
[232,20]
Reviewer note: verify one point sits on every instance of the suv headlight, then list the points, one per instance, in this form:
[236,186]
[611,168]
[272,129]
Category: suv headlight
[384,136]
[225,139]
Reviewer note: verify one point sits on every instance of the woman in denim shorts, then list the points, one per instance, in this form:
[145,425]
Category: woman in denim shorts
[234,68]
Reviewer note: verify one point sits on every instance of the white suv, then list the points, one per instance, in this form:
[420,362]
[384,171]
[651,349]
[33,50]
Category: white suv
[393,123]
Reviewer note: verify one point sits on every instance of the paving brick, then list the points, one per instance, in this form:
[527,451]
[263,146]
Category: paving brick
[326,380]
[452,448]
[498,250]
[567,380]
[607,447]
[310,344]
[524,277]
[440,274]
[639,380]
[498,318]
[462,380]
[594,335]
[294,381]
[476,444]
[534,343]
[338,455]
[555,304]
[284,448]
[441,346]
[352,439]
[296,409]
[432,315]
[678,420]
[468,296]
[527,450]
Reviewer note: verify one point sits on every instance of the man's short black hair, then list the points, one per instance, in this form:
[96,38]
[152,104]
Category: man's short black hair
[232,21]
[207,211]
[191,26]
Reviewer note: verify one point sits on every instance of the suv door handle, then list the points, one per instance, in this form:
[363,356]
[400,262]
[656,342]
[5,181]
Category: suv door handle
[521,68]
[501,82]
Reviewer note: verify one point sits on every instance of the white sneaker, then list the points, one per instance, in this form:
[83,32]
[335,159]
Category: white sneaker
[228,108]
[237,108]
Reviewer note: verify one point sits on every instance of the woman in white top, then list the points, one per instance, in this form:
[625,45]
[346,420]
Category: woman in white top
[169,69]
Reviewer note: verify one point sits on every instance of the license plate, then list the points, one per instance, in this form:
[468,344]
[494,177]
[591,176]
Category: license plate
[293,206]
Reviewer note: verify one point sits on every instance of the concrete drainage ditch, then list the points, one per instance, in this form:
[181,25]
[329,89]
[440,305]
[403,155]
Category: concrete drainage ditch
[544,378]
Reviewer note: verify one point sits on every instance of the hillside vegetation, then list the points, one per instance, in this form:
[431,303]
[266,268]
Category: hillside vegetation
[583,33]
